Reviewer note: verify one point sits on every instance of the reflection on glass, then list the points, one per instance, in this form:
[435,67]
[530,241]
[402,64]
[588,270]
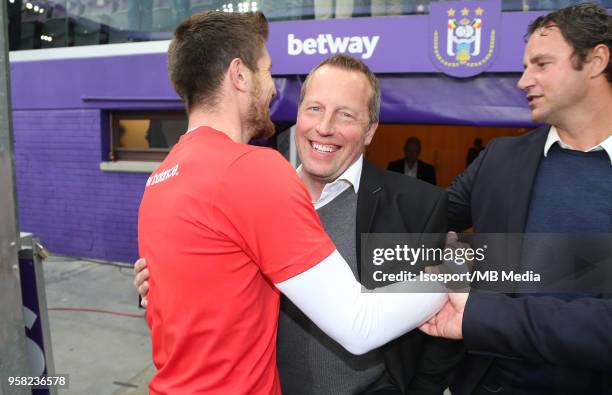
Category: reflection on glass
[154,133]
[133,133]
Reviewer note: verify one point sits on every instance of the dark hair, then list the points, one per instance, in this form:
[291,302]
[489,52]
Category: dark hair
[349,63]
[205,44]
[583,26]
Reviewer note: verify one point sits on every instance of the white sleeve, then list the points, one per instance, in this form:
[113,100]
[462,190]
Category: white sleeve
[331,297]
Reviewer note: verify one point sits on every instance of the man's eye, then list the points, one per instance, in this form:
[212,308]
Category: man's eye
[315,108]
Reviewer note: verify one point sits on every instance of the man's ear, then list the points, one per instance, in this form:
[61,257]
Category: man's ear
[370,133]
[237,74]
[600,57]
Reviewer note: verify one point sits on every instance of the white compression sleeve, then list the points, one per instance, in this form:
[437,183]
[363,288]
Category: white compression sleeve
[331,297]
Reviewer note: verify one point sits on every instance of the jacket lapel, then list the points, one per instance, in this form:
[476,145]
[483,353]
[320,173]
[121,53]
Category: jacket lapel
[526,162]
[370,189]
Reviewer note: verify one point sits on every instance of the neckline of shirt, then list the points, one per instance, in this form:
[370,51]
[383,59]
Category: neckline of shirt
[553,137]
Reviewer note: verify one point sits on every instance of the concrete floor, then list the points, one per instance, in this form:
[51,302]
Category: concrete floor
[102,353]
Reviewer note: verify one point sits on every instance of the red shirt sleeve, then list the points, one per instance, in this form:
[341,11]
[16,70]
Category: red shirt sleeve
[264,207]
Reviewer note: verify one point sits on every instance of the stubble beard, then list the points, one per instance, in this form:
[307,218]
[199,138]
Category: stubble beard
[258,116]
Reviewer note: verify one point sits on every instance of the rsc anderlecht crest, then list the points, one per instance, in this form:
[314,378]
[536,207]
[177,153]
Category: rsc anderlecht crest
[464,36]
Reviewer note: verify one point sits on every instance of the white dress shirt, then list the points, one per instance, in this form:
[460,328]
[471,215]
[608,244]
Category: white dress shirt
[332,190]
[411,171]
[553,137]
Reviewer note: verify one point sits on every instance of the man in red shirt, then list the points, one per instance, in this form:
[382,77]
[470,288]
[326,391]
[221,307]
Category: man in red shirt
[224,226]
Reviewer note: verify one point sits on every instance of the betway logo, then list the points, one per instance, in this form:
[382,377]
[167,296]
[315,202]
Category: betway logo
[328,44]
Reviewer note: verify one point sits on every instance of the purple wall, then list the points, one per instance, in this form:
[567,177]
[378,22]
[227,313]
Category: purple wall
[63,197]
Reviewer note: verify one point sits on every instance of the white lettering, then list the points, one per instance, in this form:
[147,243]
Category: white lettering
[527,276]
[338,44]
[377,260]
[294,45]
[163,175]
[487,276]
[310,46]
[356,45]
[370,45]
[321,41]
[394,277]
[325,44]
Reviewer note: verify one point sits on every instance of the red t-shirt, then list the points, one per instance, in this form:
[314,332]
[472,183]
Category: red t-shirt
[219,224]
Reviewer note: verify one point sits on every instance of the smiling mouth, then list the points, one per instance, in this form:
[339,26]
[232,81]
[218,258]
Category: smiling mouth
[324,148]
[530,99]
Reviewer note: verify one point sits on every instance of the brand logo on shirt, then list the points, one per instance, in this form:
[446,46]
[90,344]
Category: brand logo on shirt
[163,175]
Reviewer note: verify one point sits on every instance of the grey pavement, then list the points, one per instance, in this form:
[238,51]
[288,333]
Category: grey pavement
[105,351]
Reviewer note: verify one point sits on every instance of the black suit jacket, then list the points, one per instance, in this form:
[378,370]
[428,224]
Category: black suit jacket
[493,196]
[425,171]
[392,203]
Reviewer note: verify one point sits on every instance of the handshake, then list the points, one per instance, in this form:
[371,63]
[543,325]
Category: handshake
[448,321]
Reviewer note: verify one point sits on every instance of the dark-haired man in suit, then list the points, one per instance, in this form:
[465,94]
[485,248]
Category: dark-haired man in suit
[555,179]
[411,165]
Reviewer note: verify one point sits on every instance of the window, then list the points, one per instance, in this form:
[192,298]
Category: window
[145,135]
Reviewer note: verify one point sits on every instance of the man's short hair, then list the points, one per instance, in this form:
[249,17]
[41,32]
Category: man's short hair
[205,44]
[349,63]
[583,26]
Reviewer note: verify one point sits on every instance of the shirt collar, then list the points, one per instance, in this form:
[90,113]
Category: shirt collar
[553,137]
[352,175]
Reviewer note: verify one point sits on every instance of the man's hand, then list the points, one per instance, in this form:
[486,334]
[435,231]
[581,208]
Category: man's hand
[140,280]
[447,323]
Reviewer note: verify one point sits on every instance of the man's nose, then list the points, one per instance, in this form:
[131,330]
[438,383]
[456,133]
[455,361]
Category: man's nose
[525,81]
[326,126]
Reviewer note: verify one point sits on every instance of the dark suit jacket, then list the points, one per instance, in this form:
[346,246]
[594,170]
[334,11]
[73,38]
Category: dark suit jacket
[425,171]
[493,196]
[391,203]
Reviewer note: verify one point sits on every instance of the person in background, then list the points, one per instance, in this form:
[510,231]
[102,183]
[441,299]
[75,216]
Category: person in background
[474,151]
[411,165]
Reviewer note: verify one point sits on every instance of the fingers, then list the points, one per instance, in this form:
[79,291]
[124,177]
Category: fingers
[429,329]
[139,265]
[458,300]
[143,289]
[451,237]
[141,278]
[426,328]
[144,302]
[430,326]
